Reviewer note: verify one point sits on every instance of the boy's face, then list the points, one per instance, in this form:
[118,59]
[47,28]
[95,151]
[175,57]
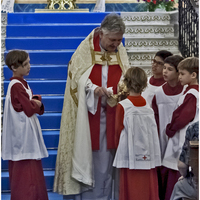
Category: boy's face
[157,66]
[111,40]
[185,77]
[170,73]
[23,70]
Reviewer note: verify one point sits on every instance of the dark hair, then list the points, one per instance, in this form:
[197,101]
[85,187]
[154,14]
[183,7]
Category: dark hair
[191,64]
[174,61]
[135,79]
[163,54]
[113,23]
[15,58]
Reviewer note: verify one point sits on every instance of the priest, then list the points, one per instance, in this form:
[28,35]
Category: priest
[86,145]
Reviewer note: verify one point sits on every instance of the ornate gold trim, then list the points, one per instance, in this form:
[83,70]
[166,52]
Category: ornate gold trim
[72,92]
[70,75]
[119,61]
[62,3]
[103,58]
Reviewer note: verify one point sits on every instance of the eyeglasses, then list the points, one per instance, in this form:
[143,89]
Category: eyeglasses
[153,61]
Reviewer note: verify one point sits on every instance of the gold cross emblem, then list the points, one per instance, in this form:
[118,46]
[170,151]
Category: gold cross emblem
[106,57]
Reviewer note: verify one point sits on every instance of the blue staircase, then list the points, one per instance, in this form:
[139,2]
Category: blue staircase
[50,39]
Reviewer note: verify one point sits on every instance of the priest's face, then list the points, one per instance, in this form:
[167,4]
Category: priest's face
[110,40]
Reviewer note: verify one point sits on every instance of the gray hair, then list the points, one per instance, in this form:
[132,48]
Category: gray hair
[113,23]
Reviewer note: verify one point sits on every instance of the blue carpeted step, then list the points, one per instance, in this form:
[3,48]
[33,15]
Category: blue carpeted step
[50,162]
[51,103]
[49,178]
[49,57]
[5,185]
[41,72]
[49,30]
[51,139]
[50,121]
[56,87]
[54,196]
[43,43]
[40,18]
[51,195]
[47,163]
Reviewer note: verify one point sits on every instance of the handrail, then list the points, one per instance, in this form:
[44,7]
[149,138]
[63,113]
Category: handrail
[189,28]
[195,4]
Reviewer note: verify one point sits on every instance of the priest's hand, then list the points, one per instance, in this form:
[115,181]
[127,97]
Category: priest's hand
[102,91]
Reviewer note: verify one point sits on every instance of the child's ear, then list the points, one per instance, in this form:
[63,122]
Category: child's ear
[13,68]
[100,34]
[194,75]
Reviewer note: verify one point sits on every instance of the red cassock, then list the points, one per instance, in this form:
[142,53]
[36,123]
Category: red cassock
[134,183]
[114,75]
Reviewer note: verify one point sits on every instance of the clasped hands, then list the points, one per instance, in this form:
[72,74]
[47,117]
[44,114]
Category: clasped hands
[37,99]
[107,92]
[102,91]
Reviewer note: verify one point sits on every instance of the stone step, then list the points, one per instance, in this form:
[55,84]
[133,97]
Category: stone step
[143,58]
[150,18]
[146,31]
[152,44]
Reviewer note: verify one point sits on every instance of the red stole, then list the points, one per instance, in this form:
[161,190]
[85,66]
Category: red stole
[114,75]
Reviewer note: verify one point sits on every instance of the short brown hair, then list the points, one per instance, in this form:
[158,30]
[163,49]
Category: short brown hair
[135,79]
[163,54]
[191,64]
[15,58]
[173,60]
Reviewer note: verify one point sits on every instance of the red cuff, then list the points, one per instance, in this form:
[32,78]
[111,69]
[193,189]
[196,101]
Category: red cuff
[38,97]
[41,110]
[169,133]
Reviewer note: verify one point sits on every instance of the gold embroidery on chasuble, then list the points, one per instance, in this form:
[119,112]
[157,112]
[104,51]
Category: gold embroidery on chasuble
[104,58]
[73,92]
[100,58]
